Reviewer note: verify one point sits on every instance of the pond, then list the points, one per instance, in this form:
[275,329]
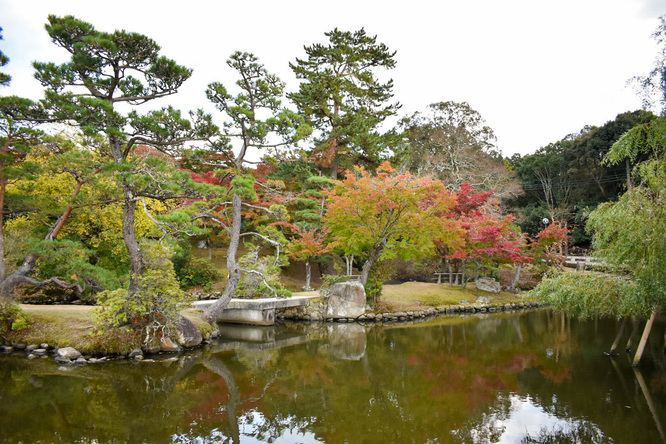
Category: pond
[522,377]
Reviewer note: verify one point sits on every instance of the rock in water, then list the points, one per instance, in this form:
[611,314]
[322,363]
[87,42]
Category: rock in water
[487,284]
[188,333]
[137,353]
[346,300]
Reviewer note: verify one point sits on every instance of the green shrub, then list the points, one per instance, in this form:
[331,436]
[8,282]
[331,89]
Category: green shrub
[12,317]
[199,272]
[154,309]
[328,280]
[589,294]
[379,273]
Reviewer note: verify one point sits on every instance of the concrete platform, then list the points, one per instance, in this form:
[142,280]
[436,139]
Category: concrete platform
[255,311]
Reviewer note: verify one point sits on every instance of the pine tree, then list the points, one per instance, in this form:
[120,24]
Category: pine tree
[344,101]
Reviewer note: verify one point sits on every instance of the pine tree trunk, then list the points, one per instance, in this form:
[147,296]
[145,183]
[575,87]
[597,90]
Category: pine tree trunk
[129,218]
[22,275]
[213,312]
[131,242]
[3,189]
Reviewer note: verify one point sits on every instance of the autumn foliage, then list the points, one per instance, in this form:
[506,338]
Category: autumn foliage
[388,215]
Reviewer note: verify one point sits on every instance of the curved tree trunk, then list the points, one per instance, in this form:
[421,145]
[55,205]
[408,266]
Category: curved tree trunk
[213,312]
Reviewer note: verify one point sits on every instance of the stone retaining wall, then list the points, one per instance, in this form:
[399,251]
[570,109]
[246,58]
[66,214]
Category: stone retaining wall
[316,311]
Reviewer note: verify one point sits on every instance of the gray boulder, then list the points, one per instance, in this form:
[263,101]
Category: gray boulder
[346,300]
[487,284]
[188,333]
[68,353]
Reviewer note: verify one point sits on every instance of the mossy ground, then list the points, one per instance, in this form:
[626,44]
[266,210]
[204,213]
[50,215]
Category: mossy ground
[421,295]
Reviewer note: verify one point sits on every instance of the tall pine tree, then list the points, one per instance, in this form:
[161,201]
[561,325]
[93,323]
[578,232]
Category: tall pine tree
[344,101]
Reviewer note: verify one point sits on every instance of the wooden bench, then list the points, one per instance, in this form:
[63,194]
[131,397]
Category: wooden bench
[451,278]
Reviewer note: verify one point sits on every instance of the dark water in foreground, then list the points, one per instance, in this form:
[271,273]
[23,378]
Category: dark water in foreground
[510,378]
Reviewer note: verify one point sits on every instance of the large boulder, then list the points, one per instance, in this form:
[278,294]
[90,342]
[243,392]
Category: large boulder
[188,333]
[68,353]
[346,300]
[487,284]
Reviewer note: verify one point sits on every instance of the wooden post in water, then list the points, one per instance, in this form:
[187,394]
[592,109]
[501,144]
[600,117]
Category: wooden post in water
[644,338]
[616,342]
[632,337]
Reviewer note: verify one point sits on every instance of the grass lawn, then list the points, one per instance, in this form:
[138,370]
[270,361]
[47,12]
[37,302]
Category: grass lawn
[421,295]
[62,325]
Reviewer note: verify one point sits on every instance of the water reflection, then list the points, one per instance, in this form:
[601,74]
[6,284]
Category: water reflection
[520,419]
[506,378]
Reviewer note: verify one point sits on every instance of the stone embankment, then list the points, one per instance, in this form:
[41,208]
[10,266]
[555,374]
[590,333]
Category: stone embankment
[314,313]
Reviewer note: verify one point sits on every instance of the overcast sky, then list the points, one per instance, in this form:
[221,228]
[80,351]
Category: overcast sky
[535,70]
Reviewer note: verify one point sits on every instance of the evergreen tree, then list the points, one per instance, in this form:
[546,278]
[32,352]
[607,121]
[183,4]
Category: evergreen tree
[344,101]
[106,73]
[260,95]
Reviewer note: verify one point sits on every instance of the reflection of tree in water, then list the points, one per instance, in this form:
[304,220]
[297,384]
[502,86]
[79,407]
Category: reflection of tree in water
[580,432]
[412,383]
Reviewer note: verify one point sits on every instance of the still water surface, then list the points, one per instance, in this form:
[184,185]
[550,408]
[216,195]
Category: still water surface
[504,378]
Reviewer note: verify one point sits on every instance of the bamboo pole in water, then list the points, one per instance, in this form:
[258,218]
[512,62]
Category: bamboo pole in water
[616,342]
[632,337]
[644,338]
